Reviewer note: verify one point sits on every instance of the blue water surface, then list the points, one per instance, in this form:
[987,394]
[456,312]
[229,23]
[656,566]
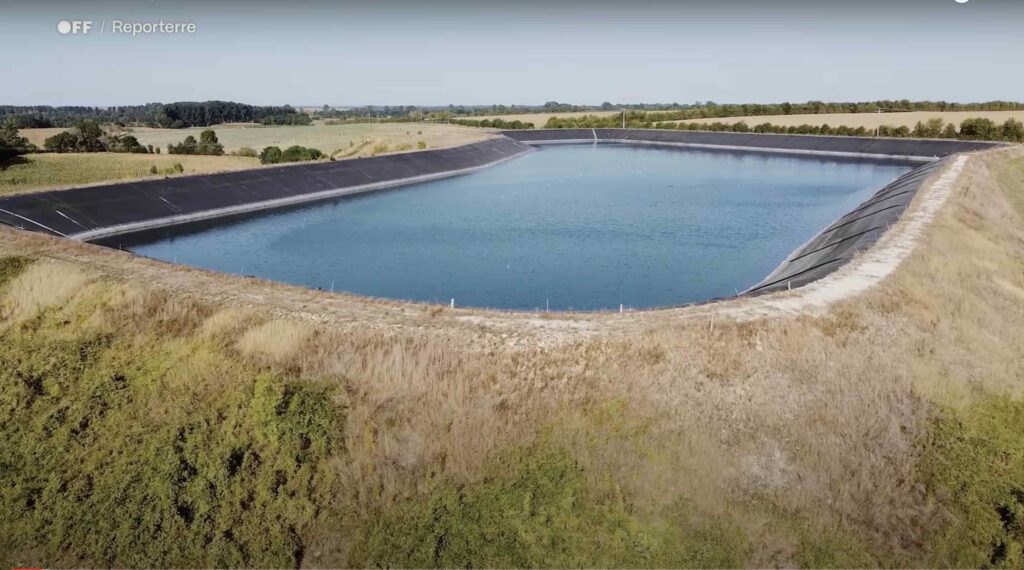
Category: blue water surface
[565,227]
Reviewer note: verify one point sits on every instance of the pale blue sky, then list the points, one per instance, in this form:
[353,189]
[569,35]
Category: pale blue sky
[482,52]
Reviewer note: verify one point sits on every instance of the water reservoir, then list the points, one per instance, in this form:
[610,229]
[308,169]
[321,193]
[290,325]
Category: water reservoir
[580,227]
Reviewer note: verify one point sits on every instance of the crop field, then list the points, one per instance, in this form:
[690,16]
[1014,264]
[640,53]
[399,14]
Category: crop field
[539,119]
[39,136]
[880,430]
[338,140]
[868,120]
[37,172]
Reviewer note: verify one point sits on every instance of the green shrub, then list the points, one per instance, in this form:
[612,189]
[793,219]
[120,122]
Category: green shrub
[88,475]
[207,145]
[974,464]
[534,510]
[274,155]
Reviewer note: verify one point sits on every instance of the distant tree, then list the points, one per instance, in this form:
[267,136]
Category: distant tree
[208,144]
[949,132]
[1013,130]
[300,153]
[86,136]
[90,133]
[270,155]
[920,130]
[934,127]
[979,129]
[126,143]
[11,143]
[63,141]
[274,155]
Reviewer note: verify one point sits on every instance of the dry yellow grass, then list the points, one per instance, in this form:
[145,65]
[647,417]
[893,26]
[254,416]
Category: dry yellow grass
[39,172]
[869,120]
[276,341]
[39,136]
[797,428]
[41,286]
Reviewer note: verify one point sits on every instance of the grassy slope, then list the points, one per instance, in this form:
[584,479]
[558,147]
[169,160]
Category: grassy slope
[37,172]
[142,429]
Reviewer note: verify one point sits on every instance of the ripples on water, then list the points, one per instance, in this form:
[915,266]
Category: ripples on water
[566,227]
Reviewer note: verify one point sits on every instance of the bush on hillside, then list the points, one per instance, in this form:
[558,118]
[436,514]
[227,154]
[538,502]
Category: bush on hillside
[87,136]
[207,144]
[274,155]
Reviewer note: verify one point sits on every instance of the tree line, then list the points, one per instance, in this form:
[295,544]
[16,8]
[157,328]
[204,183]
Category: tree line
[88,136]
[1011,130]
[167,115]
[207,144]
[274,154]
[493,123]
[710,109]
[969,129]
[11,143]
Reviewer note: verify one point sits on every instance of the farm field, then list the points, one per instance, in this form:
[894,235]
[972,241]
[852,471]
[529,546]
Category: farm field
[39,136]
[39,172]
[340,140]
[539,119]
[867,120]
[330,139]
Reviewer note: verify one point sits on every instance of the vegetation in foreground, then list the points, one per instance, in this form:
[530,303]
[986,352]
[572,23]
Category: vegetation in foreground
[143,429]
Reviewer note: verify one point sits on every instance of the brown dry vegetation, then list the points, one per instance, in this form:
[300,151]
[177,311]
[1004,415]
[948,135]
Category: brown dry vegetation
[887,431]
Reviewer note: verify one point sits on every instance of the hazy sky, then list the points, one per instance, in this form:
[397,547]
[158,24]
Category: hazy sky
[426,52]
